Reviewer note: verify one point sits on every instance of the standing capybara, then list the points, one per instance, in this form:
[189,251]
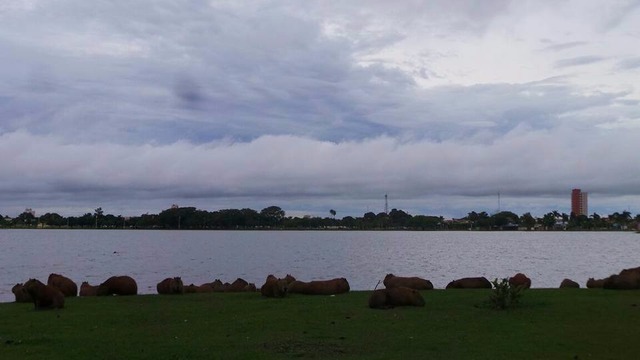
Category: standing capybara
[88,290]
[569,284]
[118,285]
[395,296]
[392,281]
[595,284]
[44,296]
[170,286]
[274,287]
[21,296]
[520,280]
[320,287]
[470,283]
[64,284]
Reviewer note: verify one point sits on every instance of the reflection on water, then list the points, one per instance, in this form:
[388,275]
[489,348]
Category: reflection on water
[362,257]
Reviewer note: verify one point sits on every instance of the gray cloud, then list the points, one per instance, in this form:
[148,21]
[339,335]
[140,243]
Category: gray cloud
[246,104]
[577,61]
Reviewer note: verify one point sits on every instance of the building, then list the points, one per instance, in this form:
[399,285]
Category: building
[579,204]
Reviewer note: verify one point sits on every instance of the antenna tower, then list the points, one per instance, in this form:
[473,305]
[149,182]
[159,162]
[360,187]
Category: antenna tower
[386,204]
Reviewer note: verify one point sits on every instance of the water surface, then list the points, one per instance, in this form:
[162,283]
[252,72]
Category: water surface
[363,257]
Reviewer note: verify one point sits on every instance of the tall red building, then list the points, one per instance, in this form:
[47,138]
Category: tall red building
[579,205]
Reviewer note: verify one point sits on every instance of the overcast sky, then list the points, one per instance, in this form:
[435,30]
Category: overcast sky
[133,106]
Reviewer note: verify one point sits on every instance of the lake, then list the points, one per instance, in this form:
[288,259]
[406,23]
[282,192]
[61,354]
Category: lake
[363,257]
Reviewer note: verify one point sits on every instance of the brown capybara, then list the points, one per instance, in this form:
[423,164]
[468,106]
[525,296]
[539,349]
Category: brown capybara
[190,289]
[88,290]
[170,286]
[237,286]
[204,288]
[118,285]
[217,286]
[392,281]
[395,296]
[21,296]
[595,284]
[64,284]
[251,287]
[628,281]
[44,296]
[569,284]
[289,279]
[274,287]
[470,283]
[320,287]
[520,280]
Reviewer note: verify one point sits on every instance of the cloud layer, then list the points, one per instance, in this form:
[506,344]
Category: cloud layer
[312,107]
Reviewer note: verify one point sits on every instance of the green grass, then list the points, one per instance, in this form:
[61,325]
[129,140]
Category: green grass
[455,324]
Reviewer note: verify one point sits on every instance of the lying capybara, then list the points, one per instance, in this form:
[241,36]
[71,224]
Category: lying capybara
[118,285]
[569,284]
[64,284]
[88,290]
[289,279]
[170,286]
[251,287]
[238,285]
[395,296]
[628,281]
[21,296]
[320,287]
[274,287]
[392,281]
[190,289]
[595,284]
[217,286]
[470,283]
[44,296]
[520,280]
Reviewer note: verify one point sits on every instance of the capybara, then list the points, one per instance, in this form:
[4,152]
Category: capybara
[21,296]
[628,281]
[238,285]
[320,287]
[470,283]
[251,287]
[392,281]
[289,279]
[88,290]
[170,286]
[190,289]
[520,280]
[217,286]
[118,285]
[274,287]
[64,284]
[595,284]
[569,284]
[204,288]
[395,296]
[44,296]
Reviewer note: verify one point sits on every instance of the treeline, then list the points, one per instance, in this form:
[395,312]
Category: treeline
[273,217]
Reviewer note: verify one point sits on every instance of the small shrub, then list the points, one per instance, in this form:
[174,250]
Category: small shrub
[504,295]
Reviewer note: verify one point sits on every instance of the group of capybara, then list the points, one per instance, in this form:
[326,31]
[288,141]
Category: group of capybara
[398,291]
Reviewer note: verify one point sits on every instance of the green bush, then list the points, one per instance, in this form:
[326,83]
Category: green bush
[504,295]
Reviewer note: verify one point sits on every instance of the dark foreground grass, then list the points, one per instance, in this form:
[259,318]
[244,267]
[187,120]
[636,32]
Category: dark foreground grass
[455,324]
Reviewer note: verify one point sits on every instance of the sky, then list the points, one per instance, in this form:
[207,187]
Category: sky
[447,107]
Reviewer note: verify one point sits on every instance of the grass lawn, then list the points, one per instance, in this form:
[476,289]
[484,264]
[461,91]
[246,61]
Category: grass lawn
[454,324]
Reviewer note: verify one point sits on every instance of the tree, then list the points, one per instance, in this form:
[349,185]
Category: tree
[528,220]
[98,214]
[272,215]
[549,220]
[333,213]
